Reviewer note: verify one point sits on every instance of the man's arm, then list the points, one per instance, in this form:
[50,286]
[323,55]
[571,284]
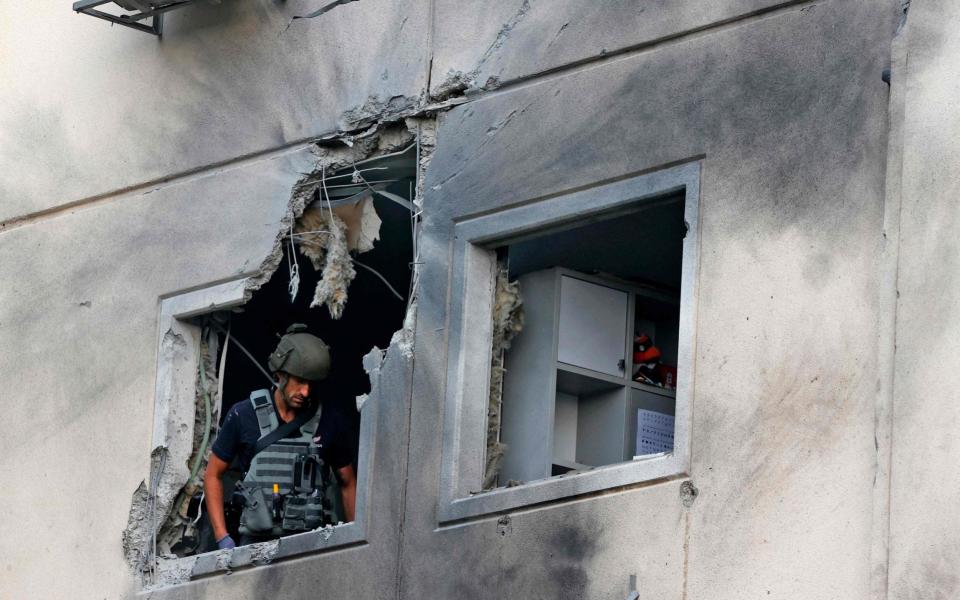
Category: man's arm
[213,494]
[348,489]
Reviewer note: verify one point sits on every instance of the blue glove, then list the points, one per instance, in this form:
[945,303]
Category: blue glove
[226,543]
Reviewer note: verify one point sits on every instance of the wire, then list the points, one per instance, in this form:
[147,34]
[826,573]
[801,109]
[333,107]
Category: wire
[326,195]
[206,417]
[245,351]
[382,278]
[293,266]
[200,507]
[220,374]
[155,476]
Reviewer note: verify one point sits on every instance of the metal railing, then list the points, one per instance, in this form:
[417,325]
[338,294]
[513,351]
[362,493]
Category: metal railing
[134,12]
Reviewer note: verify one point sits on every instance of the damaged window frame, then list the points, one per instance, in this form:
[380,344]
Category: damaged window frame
[183,354]
[176,390]
[474,271]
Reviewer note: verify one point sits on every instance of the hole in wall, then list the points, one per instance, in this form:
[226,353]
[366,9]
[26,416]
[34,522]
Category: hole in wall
[371,312]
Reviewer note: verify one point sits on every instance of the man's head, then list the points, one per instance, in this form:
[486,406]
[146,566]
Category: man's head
[294,390]
[299,360]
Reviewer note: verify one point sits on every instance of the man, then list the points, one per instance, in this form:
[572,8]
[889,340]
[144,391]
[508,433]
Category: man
[289,449]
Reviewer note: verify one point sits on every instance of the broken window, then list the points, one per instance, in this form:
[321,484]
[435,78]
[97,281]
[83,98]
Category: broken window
[345,272]
[586,302]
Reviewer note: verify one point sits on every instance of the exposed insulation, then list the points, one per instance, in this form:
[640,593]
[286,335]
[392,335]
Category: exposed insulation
[363,223]
[324,242]
[507,323]
[326,236]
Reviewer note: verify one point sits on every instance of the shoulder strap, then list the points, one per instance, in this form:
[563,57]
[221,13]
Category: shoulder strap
[286,429]
[310,429]
[266,415]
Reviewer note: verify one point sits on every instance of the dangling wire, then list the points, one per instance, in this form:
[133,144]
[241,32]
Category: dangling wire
[382,278]
[200,507]
[294,267]
[326,195]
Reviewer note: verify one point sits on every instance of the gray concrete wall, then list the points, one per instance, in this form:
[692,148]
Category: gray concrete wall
[788,113]
[133,169]
[925,515]
[89,109]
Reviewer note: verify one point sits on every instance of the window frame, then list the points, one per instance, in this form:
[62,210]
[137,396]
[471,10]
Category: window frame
[470,339]
[176,390]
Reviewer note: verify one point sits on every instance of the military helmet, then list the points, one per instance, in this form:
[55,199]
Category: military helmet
[301,354]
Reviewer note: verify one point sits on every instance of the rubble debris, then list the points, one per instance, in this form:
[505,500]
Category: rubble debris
[507,323]
[173,572]
[331,155]
[361,400]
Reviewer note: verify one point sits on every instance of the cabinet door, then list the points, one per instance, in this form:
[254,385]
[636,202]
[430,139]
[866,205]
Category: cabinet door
[592,326]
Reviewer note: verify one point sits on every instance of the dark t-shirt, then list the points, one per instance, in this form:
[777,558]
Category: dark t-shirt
[240,431]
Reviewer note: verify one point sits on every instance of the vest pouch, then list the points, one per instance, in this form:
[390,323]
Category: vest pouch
[256,518]
[295,513]
[315,512]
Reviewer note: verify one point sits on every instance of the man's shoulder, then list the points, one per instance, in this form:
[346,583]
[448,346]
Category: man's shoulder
[242,410]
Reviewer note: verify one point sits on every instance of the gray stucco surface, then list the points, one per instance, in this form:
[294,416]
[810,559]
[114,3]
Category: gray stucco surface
[925,515]
[78,328]
[780,102]
[790,117]
[88,108]
[516,39]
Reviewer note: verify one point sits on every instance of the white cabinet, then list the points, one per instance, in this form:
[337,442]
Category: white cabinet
[592,329]
[568,401]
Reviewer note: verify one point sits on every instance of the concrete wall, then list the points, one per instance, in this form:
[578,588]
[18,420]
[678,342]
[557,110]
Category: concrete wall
[89,109]
[924,545]
[136,168]
[788,113]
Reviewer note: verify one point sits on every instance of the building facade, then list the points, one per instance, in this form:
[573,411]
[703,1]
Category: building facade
[149,183]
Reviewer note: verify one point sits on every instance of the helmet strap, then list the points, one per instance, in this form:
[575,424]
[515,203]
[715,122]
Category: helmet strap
[281,385]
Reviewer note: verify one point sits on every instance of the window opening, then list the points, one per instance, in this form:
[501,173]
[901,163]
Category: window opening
[585,344]
[372,203]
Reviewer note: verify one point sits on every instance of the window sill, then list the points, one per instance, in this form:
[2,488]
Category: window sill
[560,487]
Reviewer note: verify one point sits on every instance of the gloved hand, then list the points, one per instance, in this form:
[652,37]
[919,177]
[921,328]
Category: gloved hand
[226,543]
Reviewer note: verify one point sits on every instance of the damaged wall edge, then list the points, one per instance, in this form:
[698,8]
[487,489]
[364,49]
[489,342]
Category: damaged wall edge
[177,387]
[173,418]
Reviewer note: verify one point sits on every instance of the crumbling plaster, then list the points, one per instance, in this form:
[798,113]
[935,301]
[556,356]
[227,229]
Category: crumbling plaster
[925,515]
[788,114]
[96,108]
[176,386]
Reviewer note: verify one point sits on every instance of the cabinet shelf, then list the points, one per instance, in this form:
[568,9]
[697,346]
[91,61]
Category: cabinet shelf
[653,389]
[568,399]
[573,466]
[583,382]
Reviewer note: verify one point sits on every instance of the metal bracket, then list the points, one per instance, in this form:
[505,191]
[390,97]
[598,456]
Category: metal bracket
[139,10]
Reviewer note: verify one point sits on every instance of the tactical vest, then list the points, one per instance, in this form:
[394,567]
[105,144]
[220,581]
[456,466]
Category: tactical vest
[308,494]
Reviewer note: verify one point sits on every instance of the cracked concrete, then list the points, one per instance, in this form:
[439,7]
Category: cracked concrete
[330,155]
[149,509]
